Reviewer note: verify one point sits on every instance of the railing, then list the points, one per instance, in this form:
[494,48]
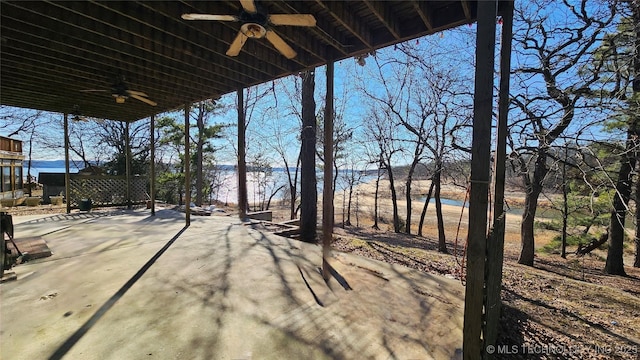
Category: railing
[10,145]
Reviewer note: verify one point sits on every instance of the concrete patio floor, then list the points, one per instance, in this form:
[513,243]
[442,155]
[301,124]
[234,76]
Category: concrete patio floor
[125,285]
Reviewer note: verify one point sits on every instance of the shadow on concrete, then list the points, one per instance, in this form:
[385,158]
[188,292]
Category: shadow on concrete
[226,290]
[73,339]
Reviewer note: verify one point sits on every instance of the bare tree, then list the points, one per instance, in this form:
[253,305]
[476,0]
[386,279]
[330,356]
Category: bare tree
[555,56]
[394,99]
[352,176]
[382,132]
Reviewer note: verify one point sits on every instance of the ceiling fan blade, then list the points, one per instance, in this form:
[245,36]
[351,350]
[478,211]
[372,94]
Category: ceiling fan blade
[139,93]
[144,99]
[249,6]
[236,45]
[293,19]
[209,17]
[280,44]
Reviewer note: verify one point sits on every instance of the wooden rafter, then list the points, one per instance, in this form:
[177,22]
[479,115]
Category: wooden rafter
[52,50]
[385,14]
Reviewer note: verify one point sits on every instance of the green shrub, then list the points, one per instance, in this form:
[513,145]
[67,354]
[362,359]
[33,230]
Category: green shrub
[555,245]
[548,225]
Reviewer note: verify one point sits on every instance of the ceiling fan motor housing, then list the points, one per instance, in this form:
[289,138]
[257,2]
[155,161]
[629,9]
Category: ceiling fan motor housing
[253,30]
[257,18]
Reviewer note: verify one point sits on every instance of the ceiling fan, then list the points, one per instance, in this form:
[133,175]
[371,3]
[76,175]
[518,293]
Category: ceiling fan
[121,93]
[76,115]
[256,24]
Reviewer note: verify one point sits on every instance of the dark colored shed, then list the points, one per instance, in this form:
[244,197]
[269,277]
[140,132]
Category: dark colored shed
[52,185]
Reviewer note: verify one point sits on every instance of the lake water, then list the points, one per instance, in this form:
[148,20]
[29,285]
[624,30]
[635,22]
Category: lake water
[48,166]
[226,192]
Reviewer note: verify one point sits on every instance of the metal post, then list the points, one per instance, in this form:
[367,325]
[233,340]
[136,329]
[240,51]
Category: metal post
[242,165]
[327,187]
[187,168]
[479,194]
[67,190]
[127,157]
[152,178]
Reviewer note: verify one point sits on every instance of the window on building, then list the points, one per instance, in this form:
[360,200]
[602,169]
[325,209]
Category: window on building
[6,178]
[18,175]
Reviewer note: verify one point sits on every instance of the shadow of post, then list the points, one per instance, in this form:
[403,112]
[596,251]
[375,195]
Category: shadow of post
[75,337]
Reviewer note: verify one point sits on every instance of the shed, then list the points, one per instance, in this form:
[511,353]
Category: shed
[52,185]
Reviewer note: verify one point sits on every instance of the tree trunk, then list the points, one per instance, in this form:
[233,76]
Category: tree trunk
[442,239]
[424,208]
[565,200]
[273,194]
[636,263]
[592,245]
[534,188]
[394,198]
[308,189]
[349,205]
[615,262]
[408,183]
[293,187]
[375,201]
[636,69]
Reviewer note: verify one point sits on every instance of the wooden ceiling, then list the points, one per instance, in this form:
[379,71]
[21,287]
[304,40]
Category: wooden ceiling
[50,51]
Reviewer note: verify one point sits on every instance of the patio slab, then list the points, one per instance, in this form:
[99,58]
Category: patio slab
[131,286]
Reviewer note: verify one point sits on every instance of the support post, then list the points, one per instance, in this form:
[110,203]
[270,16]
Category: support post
[308,181]
[67,190]
[473,348]
[327,187]
[127,157]
[187,168]
[495,252]
[242,164]
[152,170]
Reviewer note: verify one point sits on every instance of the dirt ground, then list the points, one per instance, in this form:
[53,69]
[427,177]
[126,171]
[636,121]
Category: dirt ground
[558,309]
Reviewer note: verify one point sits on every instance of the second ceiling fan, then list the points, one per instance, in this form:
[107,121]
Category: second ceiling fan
[257,24]
[121,93]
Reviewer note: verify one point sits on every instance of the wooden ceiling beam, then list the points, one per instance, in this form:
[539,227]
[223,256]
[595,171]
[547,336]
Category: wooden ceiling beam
[40,48]
[106,52]
[385,14]
[143,36]
[345,17]
[103,100]
[270,57]
[466,9]
[51,50]
[323,29]
[424,13]
[32,100]
[76,82]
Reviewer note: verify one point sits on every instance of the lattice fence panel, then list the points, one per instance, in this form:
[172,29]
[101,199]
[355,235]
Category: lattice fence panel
[106,190]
